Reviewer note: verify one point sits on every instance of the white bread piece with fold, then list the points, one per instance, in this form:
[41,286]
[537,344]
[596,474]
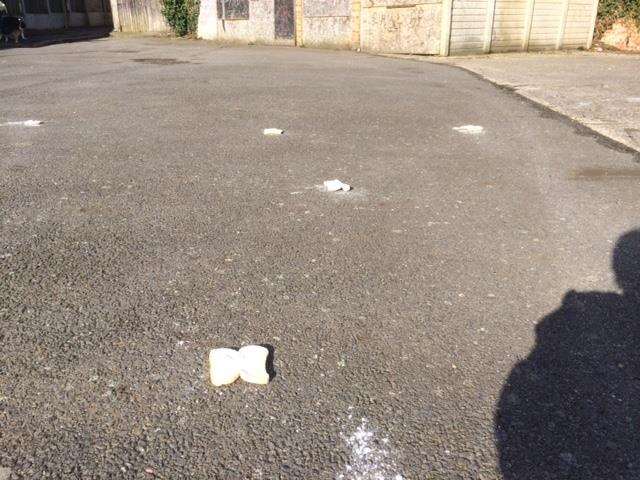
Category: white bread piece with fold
[253,364]
[224,366]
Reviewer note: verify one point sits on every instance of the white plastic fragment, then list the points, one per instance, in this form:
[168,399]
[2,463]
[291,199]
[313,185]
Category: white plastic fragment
[248,363]
[335,185]
[272,131]
[470,129]
[24,123]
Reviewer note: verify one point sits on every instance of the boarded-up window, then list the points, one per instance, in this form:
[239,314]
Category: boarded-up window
[36,6]
[284,21]
[233,9]
[56,6]
[77,6]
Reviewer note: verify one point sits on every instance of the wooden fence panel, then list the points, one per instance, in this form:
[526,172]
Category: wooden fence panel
[140,16]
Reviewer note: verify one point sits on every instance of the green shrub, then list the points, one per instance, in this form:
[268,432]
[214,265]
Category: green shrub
[181,15]
[611,10]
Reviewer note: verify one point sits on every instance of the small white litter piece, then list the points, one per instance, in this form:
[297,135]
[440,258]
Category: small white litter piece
[470,129]
[335,185]
[24,123]
[249,363]
[272,131]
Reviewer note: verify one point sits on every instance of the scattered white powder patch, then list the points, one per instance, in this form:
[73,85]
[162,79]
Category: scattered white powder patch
[633,99]
[470,129]
[370,457]
[24,123]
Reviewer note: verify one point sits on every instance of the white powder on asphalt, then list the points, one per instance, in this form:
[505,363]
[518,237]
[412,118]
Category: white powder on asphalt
[370,458]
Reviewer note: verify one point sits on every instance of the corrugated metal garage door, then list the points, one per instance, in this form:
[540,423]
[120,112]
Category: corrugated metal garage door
[482,26]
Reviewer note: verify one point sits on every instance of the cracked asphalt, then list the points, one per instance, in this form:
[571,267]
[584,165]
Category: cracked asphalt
[148,220]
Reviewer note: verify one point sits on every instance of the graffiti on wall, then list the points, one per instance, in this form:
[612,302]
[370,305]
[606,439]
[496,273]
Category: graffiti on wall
[284,18]
[233,9]
[327,8]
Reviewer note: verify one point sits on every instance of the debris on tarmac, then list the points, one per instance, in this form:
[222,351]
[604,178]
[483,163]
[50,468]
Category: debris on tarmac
[24,123]
[272,131]
[470,129]
[335,185]
[253,363]
[248,363]
[371,456]
[224,366]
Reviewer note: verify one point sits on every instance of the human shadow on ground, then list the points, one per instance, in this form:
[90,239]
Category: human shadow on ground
[571,409]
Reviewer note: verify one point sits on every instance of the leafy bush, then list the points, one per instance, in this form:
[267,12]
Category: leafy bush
[611,10]
[181,15]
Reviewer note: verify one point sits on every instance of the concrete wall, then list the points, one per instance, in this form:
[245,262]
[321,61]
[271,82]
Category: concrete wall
[483,26]
[401,26]
[579,24]
[326,23]
[258,28]
[428,27]
[208,20]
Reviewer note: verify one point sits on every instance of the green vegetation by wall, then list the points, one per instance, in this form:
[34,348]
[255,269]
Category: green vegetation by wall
[181,15]
[611,10]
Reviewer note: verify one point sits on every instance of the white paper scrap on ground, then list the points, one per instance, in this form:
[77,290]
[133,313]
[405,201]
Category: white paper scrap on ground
[24,123]
[272,131]
[335,185]
[470,129]
[248,363]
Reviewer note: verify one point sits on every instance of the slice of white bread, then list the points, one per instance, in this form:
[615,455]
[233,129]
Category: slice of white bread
[224,366]
[253,364]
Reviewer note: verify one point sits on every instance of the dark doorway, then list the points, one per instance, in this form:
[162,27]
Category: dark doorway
[284,18]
